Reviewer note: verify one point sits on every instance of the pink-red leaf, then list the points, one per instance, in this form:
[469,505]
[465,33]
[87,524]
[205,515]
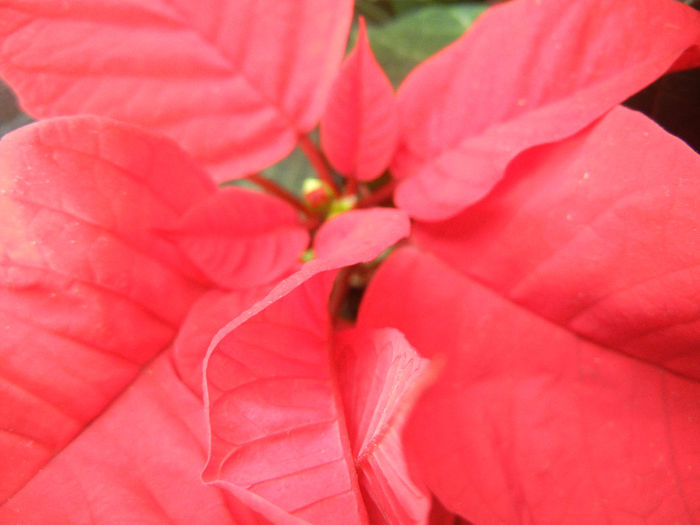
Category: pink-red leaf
[530,422]
[278,439]
[137,463]
[234,83]
[359,128]
[526,73]
[600,234]
[275,412]
[83,275]
[358,236]
[296,414]
[241,238]
[380,376]
[350,238]
[206,317]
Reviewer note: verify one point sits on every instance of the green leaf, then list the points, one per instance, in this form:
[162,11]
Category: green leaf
[405,42]
[401,6]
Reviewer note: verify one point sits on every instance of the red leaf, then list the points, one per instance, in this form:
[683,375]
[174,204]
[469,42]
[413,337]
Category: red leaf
[280,393]
[530,422]
[234,83]
[599,234]
[280,349]
[208,314]
[350,238]
[380,376]
[137,463]
[526,73]
[241,238]
[359,129]
[358,236]
[83,275]
[275,415]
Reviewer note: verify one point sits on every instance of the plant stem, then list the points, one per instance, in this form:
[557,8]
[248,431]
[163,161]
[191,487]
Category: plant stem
[318,162]
[379,196]
[278,191]
[350,187]
[340,290]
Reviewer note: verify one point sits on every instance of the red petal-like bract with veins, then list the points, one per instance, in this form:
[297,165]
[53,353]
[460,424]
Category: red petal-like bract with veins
[234,82]
[358,236]
[241,238]
[359,128]
[296,415]
[380,376]
[278,437]
[206,317]
[529,422]
[276,417]
[139,462]
[350,238]
[599,234]
[528,72]
[88,292]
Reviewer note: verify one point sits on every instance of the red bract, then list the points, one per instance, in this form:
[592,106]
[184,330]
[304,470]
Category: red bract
[234,83]
[166,357]
[95,287]
[240,242]
[89,284]
[527,73]
[308,421]
[359,129]
[570,327]
[609,204]
[290,405]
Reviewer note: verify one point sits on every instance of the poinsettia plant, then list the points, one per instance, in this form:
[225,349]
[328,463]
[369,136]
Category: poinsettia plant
[177,349]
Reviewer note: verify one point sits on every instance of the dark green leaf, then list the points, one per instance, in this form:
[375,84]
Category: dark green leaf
[406,41]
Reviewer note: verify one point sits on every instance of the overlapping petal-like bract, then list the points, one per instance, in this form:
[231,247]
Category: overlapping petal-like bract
[359,129]
[380,376]
[598,234]
[526,73]
[569,321]
[93,287]
[140,462]
[241,239]
[564,303]
[292,406]
[234,83]
[83,275]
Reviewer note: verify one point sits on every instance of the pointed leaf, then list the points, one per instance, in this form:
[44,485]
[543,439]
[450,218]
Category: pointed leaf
[275,412]
[359,129]
[599,234]
[242,238]
[530,422]
[359,236]
[380,376]
[350,238]
[233,83]
[500,89]
[82,275]
[137,463]
[286,403]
